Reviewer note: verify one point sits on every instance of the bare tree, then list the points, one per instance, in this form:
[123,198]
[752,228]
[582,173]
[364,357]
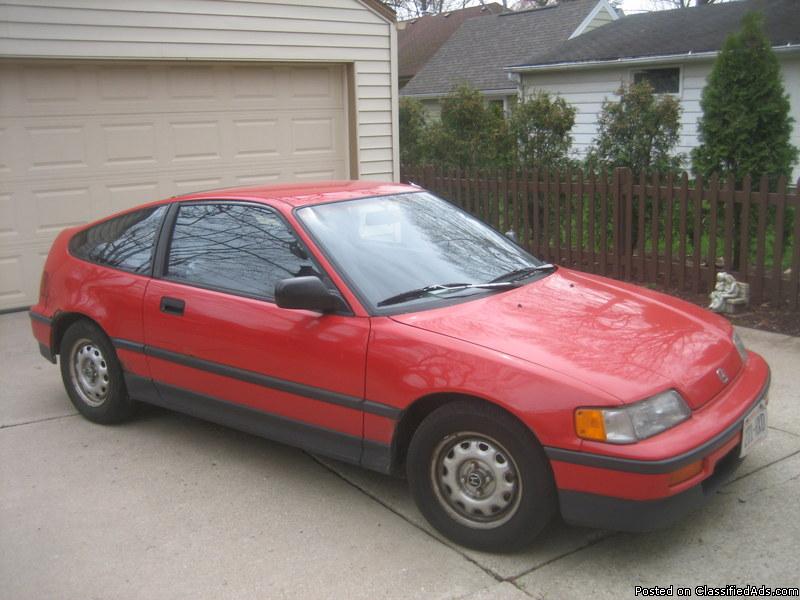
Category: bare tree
[408,9]
[526,4]
[666,4]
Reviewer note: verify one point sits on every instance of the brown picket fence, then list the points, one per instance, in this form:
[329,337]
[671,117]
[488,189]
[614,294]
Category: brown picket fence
[665,230]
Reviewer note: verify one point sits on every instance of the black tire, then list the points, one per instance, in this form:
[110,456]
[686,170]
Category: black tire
[92,374]
[477,444]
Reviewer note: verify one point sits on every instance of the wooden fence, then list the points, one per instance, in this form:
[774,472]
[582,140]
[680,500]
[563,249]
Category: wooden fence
[663,230]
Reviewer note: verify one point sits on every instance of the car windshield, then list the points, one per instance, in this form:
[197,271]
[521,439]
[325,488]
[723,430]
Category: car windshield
[390,247]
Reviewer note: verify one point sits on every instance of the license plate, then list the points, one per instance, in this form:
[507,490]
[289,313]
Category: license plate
[754,428]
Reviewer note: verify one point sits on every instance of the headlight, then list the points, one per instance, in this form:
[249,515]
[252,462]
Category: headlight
[737,341]
[634,422]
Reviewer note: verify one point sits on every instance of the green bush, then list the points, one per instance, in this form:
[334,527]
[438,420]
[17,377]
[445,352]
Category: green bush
[640,131]
[541,127]
[470,134]
[413,132]
[745,127]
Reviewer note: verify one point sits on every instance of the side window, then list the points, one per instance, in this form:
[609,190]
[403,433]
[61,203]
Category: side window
[664,81]
[125,242]
[234,247]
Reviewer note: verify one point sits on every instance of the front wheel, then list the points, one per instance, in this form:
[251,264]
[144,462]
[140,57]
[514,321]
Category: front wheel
[480,477]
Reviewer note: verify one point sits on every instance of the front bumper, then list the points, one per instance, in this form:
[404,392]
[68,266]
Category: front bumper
[627,493]
[620,514]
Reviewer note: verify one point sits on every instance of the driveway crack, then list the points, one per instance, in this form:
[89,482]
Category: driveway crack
[783,430]
[34,421]
[372,496]
[761,468]
[589,544]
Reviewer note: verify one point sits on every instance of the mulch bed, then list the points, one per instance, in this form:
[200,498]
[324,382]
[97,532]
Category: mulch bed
[760,316]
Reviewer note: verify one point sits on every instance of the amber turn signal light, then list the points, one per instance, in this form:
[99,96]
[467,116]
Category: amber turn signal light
[590,424]
[685,473]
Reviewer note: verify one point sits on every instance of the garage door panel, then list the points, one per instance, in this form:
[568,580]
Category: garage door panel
[257,138]
[129,143]
[12,279]
[259,178]
[191,83]
[9,223]
[92,89]
[124,83]
[120,196]
[315,174]
[56,147]
[313,135]
[20,270]
[5,153]
[195,141]
[55,209]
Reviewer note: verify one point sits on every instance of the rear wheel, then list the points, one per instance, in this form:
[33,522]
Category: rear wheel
[480,477]
[92,374]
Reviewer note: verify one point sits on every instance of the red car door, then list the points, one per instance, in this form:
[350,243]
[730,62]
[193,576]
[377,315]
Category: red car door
[219,348]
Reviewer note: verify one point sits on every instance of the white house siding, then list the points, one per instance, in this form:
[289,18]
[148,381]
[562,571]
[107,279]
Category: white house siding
[586,89]
[602,18]
[791,83]
[433,106]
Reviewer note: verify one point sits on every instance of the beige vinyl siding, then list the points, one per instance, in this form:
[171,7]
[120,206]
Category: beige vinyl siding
[587,89]
[341,31]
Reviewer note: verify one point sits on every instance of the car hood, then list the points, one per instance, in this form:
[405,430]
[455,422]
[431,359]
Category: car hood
[627,341]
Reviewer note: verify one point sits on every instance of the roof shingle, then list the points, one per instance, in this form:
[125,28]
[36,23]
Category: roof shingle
[419,39]
[673,32]
[477,52]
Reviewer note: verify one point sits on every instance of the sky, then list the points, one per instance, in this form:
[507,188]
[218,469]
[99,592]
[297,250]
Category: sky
[637,6]
[629,6]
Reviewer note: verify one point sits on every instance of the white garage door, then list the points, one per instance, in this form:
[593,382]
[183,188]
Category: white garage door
[82,140]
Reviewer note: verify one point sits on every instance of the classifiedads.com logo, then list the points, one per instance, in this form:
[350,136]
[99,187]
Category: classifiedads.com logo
[731,591]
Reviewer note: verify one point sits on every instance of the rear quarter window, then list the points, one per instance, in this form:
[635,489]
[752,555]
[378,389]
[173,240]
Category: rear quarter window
[126,242]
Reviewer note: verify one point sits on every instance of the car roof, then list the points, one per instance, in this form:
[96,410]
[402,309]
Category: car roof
[303,194]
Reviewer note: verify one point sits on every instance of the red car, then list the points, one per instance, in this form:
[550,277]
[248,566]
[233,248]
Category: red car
[380,325]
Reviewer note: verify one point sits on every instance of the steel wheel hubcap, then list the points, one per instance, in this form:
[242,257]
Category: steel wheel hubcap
[475,480]
[89,371]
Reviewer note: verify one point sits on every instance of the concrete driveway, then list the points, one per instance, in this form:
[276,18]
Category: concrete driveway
[171,507]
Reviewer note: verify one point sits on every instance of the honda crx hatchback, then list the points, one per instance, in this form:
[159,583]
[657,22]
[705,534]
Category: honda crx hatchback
[379,325]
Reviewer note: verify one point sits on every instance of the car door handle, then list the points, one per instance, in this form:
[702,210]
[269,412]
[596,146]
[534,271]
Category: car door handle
[172,306]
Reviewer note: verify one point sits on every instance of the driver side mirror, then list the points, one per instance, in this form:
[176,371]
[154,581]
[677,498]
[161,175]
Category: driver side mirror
[512,235]
[307,293]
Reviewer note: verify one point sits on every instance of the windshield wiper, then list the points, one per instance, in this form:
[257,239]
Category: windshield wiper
[524,272]
[442,288]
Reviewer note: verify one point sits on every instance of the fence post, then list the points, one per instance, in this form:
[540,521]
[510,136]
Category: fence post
[744,230]
[713,204]
[757,287]
[627,248]
[777,249]
[697,224]
[617,218]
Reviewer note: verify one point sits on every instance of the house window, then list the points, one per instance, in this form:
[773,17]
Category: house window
[664,81]
[496,103]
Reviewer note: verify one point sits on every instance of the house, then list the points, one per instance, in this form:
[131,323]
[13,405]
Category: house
[479,50]
[104,105]
[673,49]
[418,39]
